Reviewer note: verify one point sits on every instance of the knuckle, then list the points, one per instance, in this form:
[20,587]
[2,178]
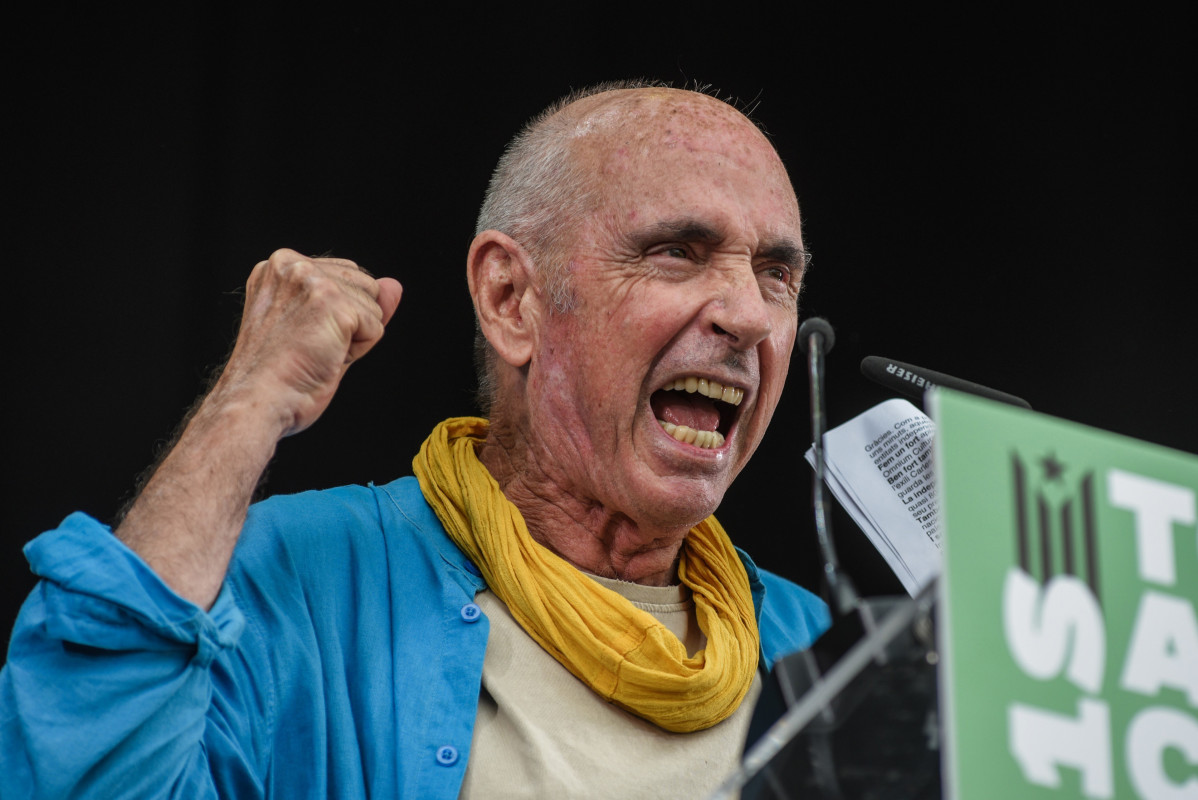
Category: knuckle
[320,289]
[284,254]
[302,276]
[289,265]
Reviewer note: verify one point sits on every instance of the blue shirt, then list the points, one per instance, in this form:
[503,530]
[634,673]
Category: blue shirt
[343,657]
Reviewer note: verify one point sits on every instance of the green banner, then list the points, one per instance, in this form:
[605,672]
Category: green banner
[1069,628]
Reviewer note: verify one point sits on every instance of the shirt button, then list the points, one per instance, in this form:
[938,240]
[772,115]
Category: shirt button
[471,612]
[447,755]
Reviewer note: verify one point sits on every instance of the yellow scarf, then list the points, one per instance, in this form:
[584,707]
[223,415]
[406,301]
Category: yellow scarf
[624,654]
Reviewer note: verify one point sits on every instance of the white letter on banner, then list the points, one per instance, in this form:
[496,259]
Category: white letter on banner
[1039,627]
[1041,740]
[1164,647]
[1149,734]
[1157,506]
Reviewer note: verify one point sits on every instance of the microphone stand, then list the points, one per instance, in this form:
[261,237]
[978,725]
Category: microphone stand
[855,715]
[816,338]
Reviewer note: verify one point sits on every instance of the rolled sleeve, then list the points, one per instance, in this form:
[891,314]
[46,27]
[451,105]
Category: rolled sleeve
[107,684]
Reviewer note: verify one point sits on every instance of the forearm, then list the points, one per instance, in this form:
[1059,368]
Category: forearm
[113,684]
[185,522]
[305,321]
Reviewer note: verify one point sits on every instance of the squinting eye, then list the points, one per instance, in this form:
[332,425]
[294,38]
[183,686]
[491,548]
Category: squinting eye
[676,252]
[777,273]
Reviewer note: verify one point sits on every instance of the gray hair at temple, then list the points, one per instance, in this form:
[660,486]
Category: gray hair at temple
[538,189]
[536,193]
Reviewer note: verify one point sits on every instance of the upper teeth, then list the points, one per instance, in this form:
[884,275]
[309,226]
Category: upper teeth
[728,394]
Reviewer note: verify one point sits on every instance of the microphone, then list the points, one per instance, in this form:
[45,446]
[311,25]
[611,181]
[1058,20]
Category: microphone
[873,670]
[816,338]
[816,332]
[914,381]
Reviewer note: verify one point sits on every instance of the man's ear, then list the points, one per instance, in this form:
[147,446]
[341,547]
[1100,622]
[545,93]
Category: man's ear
[501,278]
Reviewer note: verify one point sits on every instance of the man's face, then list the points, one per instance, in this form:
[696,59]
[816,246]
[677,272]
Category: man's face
[688,270]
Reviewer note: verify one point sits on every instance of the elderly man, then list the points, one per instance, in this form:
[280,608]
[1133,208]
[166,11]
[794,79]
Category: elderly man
[548,608]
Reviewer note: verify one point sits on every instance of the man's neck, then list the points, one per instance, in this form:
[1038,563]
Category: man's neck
[583,532]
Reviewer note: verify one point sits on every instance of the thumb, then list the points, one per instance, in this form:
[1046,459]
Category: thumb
[390,291]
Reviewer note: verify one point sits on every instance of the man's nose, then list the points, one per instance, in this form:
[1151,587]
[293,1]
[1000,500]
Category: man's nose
[739,312]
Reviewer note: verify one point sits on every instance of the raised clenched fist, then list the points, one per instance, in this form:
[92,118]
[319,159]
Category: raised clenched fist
[305,321]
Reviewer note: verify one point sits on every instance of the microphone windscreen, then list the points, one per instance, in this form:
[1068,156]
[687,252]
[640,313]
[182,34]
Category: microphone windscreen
[816,325]
[913,381]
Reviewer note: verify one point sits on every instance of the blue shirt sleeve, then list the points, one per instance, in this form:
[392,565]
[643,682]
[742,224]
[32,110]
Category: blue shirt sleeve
[792,618]
[335,662]
[108,666]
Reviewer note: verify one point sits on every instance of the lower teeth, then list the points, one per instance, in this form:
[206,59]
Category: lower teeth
[702,439]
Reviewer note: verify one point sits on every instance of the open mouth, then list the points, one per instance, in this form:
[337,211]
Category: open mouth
[696,410]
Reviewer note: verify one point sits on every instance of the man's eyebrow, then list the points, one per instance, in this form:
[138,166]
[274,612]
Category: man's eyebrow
[686,229]
[789,253]
[681,230]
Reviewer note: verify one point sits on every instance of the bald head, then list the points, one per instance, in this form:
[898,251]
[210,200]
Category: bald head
[620,119]
[555,173]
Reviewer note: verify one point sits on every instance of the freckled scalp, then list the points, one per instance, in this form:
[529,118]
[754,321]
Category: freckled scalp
[634,119]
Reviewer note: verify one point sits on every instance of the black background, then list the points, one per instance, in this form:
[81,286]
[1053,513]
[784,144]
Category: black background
[1006,197]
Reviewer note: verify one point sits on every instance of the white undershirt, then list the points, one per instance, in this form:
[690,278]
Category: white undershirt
[542,733]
